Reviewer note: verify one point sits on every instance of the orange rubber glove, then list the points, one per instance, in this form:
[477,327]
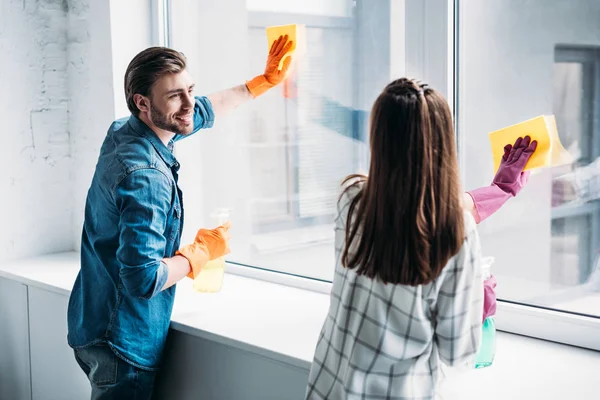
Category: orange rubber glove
[272,76]
[209,244]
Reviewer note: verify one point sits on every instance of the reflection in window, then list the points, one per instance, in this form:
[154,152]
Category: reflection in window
[294,134]
[288,151]
[576,220]
[545,241]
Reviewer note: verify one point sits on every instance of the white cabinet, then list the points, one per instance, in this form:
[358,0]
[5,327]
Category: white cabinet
[197,368]
[15,380]
[55,374]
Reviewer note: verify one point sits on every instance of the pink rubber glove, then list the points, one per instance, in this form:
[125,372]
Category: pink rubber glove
[489,297]
[509,179]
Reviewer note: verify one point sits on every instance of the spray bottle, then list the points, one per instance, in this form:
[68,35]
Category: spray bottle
[487,351]
[210,278]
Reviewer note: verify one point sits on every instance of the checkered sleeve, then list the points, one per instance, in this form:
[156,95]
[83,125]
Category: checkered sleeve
[460,303]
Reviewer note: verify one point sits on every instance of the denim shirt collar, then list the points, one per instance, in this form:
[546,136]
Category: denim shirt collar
[165,152]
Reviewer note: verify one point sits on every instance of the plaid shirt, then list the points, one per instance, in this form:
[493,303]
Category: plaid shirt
[385,341]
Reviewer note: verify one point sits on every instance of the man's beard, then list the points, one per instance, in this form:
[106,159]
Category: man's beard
[161,121]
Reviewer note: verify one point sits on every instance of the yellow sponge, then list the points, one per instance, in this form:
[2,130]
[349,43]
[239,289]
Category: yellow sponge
[295,32]
[549,152]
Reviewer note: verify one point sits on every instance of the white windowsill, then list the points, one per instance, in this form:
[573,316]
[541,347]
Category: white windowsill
[283,323]
[273,320]
[280,241]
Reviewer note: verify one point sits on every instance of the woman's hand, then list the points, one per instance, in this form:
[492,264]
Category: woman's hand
[509,180]
[510,176]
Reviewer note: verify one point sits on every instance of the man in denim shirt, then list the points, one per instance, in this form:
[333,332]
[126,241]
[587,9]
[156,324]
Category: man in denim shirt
[120,307]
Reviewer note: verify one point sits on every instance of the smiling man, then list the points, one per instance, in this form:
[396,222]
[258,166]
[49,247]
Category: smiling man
[120,306]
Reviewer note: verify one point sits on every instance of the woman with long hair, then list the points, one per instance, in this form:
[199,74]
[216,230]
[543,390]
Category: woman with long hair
[407,291]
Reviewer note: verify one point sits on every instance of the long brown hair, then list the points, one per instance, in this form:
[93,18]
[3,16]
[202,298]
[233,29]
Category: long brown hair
[406,221]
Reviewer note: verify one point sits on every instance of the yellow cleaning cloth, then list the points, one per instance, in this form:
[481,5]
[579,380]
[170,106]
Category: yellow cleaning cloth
[296,33]
[550,151]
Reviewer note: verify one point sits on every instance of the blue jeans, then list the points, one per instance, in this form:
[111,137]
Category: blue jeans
[113,378]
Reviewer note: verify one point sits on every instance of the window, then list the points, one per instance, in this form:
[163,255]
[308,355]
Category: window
[575,196]
[278,163]
[516,62]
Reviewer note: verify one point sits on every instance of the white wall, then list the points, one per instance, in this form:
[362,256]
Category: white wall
[92,98]
[131,32]
[61,77]
[35,156]
[506,67]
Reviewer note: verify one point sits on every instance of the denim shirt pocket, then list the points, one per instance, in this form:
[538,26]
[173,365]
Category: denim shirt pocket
[175,224]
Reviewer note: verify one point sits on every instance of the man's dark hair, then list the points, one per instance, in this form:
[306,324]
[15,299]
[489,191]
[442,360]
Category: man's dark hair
[148,67]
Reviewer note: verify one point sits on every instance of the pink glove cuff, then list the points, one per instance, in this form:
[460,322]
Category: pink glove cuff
[489,297]
[488,200]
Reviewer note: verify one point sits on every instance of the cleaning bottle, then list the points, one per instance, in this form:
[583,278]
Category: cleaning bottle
[210,278]
[487,351]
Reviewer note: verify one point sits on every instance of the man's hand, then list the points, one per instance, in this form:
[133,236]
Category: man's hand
[227,100]
[272,76]
[279,49]
[209,244]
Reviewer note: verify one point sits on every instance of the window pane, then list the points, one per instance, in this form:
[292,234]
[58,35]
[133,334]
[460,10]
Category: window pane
[567,97]
[517,62]
[279,161]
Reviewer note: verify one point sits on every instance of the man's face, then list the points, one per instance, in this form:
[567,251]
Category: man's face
[172,103]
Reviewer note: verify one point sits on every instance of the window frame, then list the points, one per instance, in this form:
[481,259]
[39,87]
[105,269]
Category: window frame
[432,52]
[161,22]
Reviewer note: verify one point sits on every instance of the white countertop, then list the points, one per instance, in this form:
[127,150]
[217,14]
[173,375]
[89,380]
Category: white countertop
[283,323]
[277,321]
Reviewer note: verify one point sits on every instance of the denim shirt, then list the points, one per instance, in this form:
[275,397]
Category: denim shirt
[133,219]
